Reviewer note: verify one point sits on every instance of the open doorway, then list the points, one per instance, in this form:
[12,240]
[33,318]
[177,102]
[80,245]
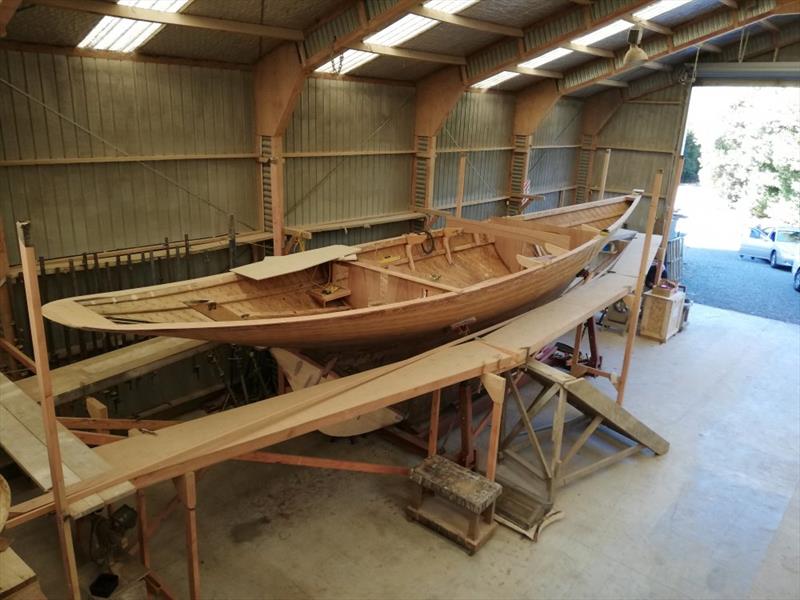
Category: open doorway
[739,200]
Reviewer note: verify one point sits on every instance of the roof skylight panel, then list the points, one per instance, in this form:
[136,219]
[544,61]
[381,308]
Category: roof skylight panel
[659,8]
[600,34]
[125,35]
[400,31]
[494,80]
[346,61]
[545,58]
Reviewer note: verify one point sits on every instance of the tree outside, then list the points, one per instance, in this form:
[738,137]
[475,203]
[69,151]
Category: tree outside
[691,156]
[757,162]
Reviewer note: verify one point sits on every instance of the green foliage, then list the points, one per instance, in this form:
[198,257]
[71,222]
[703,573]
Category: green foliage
[758,164]
[691,155]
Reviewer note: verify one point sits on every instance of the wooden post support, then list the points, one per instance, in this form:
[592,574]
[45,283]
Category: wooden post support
[633,318]
[462,172]
[63,519]
[276,166]
[576,350]
[496,387]
[433,433]
[97,410]
[187,493]
[6,315]
[666,225]
[465,414]
[141,509]
[604,173]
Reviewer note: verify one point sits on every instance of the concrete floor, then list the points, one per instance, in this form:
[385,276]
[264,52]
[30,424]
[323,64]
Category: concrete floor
[716,517]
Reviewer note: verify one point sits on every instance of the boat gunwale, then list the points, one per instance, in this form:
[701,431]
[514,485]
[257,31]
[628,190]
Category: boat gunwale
[109,325]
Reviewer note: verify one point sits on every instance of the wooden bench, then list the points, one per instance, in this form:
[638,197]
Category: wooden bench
[462,508]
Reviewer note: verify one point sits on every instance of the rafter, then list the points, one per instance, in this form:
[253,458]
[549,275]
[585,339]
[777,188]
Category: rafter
[649,25]
[467,22]
[612,83]
[7,10]
[166,18]
[656,66]
[538,72]
[684,37]
[447,59]
[338,32]
[588,50]
[729,3]
[571,23]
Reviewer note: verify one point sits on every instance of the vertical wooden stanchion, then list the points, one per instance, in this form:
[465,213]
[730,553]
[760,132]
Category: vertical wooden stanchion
[644,264]
[433,433]
[604,173]
[64,521]
[576,349]
[231,241]
[465,414]
[187,492]
[6,315]
[462,173]
[276,167]
[141,509]
[667,224]
[496,388]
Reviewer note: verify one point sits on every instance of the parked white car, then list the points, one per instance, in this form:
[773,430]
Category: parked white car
[775,244]
[796,269]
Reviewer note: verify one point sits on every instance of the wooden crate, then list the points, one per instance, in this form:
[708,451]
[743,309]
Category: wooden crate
[661,316]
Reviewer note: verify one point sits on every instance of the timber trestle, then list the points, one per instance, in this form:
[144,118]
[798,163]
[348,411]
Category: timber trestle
[569,430]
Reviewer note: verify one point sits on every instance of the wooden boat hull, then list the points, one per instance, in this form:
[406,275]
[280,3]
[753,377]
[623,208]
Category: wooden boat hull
[447,314]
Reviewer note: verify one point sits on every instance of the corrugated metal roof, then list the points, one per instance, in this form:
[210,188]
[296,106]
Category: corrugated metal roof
[204,44]
[687,12]
[451,39]
[514,13]
[517,83]
[390,67]
[45,25]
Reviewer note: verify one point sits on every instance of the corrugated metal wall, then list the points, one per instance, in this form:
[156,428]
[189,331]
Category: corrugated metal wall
[644,135]
[478,121]
[141,109]
[365,119]
[551,166]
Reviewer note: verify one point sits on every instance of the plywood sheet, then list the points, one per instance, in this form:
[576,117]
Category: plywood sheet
[274,266]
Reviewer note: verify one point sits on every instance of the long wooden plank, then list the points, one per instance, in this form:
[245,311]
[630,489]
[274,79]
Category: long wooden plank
[203,442]
[100,372]
[23,437]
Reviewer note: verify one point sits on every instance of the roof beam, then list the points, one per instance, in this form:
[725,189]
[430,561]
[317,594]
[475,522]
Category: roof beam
[467,22]
[156,16]
[729,3]
[538,72]
[612,83]
[572,22]
[656,66]
[685,33]
[766,24]
[650,26]
[7,10]
[338,33]
[588,50]
[710,48]
[447,59]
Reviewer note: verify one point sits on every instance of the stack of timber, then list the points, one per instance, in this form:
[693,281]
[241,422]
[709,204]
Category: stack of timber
[193,445]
